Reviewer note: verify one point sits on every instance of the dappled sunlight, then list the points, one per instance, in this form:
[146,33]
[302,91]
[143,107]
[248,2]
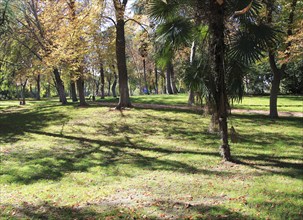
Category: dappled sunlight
[99,162]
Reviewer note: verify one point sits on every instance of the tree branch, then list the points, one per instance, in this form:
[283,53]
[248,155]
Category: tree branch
[131,19]
[109,18]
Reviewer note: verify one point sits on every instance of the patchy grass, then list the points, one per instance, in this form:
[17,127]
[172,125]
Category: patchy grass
[66,162]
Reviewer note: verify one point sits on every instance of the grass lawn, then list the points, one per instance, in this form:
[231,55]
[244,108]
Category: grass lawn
[286,103]
[66,162]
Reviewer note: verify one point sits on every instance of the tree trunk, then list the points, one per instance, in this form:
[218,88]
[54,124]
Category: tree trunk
[60,87]
[73,91]
[23,86]
[191,98]
[156,83]
[48,92]
[145,78]
[114,86]
[108,85]
[38,97]
[173,79]
[168,79]
[102,81]
[124,100]
[80,87]
[216,28]
[278,72]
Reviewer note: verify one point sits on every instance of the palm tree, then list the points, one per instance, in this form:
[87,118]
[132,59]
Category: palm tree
[231,26]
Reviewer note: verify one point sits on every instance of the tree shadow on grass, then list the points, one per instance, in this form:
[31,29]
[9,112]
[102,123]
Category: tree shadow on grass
[163,210]
[54,164]
[14,124]
[296,122]
[47,211]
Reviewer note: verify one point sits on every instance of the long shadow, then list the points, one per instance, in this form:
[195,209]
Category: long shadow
[181,210]
[124,144]
[266,120]
[177,210]
[260,162]
[54,164]
[14,124]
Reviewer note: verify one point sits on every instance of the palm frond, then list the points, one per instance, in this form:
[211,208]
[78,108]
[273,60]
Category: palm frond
[161,11]
[248,45]
[176,32]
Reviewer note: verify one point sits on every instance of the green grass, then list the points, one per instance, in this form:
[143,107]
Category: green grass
[286,103]
[66,162]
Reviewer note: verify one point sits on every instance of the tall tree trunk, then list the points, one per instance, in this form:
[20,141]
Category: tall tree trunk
[191,96]
[173,79]
[81,93]
[145,78]
[108,85]
[60,87]
[275,86]
[216,28]
[48,90]
[114,85]
[73,91]
[102,81]
[38,97]
[23,86]
[169,89]
[124,100]
[156,83]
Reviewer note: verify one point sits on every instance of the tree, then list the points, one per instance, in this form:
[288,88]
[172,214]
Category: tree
[124,100]
[277,71]
[226,55]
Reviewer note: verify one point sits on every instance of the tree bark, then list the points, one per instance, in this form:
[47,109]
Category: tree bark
[108,85]
[278,72]
[124,100]
[73,91]
[169,89]
[191,98]
[114,85]
[60,87]
[23,86]
[157,79]
[80,87]
[216,28]
[38,97]
[102,81]
[173,79]
[145,78]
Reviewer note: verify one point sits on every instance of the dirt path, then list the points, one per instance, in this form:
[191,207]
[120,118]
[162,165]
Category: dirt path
[197,109]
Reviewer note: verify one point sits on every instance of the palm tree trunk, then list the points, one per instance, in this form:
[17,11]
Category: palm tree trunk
[216,28]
